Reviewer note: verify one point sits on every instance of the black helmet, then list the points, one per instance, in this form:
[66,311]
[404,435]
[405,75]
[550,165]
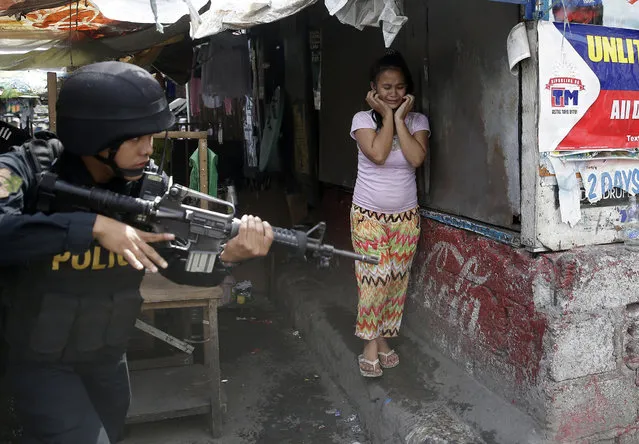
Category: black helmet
[103,104]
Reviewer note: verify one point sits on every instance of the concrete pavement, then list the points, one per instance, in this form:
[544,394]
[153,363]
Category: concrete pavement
[276,391]
[426,399]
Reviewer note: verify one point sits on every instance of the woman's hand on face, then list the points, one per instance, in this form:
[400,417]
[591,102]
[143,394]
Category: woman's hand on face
[373,100]
[405,108]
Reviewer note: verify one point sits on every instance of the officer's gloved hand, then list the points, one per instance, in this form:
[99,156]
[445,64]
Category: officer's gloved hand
[43,152]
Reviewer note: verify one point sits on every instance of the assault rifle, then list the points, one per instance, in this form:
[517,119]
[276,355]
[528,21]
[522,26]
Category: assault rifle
[199,232]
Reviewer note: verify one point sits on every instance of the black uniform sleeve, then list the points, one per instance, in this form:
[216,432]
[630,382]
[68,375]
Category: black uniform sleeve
[28,237]
[176,271]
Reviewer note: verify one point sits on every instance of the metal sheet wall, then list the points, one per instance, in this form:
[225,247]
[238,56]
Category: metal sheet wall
[474,111]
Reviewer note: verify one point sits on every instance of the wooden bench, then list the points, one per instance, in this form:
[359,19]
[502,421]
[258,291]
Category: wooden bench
[173,392]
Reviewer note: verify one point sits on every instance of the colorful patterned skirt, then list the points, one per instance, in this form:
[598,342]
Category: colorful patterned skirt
[382,287]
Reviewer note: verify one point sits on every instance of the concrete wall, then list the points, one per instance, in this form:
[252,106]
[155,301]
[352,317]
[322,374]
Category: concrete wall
[474,298]
[592,344]
[555,333]
[558,333]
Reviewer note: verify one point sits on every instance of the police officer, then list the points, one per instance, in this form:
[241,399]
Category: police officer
[71,278]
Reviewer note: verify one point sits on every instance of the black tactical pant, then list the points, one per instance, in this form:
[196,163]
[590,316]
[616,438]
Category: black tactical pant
[70,404]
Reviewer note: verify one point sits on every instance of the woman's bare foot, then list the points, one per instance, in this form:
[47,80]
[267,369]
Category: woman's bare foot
[371,350]
[382,345]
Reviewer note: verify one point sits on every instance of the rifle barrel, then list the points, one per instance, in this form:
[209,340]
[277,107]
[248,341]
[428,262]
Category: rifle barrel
[300,241]
[356,256]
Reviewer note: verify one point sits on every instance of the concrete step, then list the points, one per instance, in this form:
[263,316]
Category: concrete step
[426,399]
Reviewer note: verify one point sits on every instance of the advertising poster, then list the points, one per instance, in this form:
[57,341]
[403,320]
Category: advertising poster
[589,88]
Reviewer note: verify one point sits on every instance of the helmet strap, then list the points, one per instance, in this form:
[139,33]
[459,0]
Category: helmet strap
[121,173]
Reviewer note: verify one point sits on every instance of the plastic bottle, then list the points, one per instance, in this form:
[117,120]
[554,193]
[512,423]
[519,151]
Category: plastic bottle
[231,195]
[631,226]
[242,292]
[220,134]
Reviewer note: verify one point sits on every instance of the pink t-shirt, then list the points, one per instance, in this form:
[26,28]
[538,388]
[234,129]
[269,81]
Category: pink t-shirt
[391,187]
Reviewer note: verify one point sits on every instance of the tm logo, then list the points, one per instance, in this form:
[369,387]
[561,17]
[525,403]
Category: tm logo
[564,91]
[562,97]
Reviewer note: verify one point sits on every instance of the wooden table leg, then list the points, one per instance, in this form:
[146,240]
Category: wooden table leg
[212,363]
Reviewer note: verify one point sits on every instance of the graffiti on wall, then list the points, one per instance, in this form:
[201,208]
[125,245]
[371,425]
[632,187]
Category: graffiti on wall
[449,299]
[479,294]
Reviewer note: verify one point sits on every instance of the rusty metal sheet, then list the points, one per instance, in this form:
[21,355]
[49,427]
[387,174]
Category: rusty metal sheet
[75,20]
[13,7]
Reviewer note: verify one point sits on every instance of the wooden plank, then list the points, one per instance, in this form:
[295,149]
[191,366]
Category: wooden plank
[176,360]
[156,288]
[176,392]
[196,303]
[183,135]
[141,341]
[164,336]
[202,148]
[530,159]
[52,89]
[212,362]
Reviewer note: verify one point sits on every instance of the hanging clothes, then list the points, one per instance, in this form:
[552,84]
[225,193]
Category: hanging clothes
[194,163]
[250,141]
[171,90]
[212,101]
[195,91]
[226,68]
[270,143]
[228,106]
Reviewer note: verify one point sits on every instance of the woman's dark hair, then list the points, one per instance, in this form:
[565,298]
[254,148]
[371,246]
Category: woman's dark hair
[392,60]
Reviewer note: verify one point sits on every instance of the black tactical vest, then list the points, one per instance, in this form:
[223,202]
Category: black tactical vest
[73,308]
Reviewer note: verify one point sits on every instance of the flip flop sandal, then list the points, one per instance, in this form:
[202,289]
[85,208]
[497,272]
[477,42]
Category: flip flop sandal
[388,360]
[369,369]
